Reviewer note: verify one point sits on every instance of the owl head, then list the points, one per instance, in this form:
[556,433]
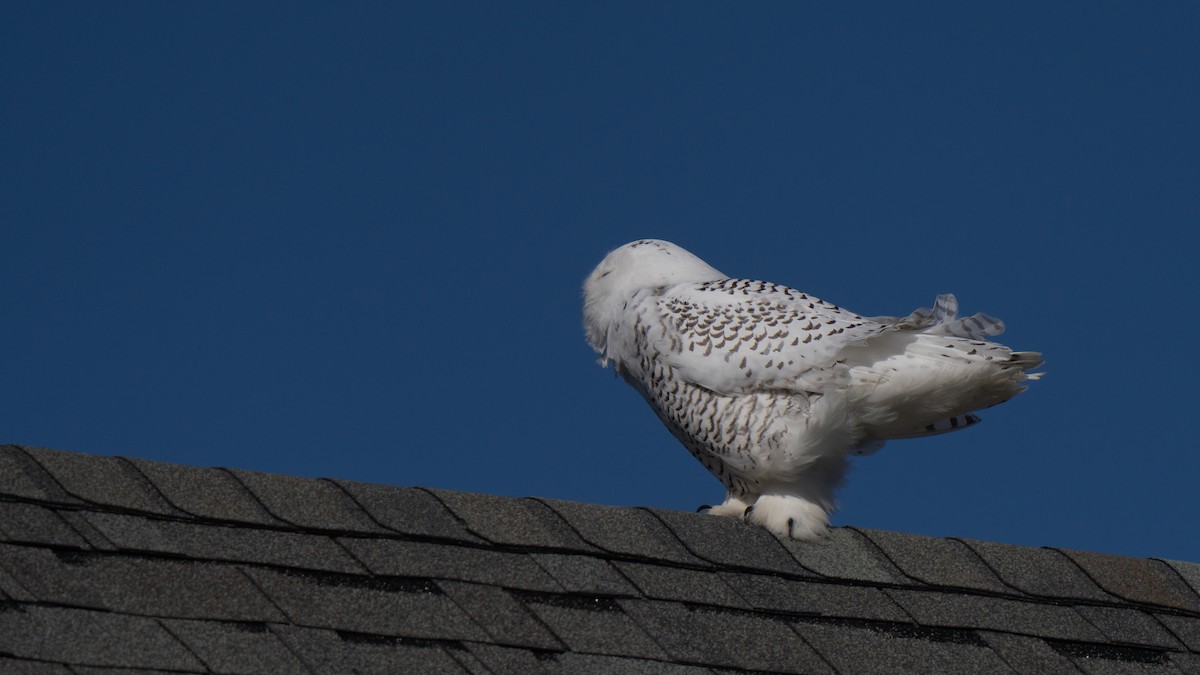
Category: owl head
[645,265]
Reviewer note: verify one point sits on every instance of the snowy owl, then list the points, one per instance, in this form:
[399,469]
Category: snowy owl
[771,388]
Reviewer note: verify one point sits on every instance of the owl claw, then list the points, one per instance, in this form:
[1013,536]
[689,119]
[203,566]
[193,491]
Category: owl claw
[747,512]
[732,507]
[703,507]
[789,516]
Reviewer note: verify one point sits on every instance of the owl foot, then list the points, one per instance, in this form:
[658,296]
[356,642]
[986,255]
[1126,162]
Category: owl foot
[733,507]
[788,516]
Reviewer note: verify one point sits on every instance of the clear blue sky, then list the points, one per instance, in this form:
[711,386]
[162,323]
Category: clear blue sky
[347,239]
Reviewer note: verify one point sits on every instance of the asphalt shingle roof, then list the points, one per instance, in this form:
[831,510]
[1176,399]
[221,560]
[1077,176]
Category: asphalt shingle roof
[113,563]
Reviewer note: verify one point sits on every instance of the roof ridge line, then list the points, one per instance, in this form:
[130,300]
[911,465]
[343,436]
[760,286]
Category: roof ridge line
[253,496]
[461,521]
[720,565]
[980,559]
[42,475]
[567,524]
[1178,575]
[370,516]
[1154,563]
[142,479]
[608,556]
[129,462]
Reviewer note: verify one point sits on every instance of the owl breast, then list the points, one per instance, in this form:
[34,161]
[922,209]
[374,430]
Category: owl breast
[739,439]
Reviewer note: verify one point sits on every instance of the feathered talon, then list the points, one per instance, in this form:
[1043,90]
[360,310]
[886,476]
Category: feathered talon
[703,507]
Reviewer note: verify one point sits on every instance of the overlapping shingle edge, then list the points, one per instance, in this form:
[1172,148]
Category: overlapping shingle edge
[227,570]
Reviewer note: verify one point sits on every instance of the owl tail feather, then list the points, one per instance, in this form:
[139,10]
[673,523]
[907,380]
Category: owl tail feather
[941,427]
[1026,361]
[942,319]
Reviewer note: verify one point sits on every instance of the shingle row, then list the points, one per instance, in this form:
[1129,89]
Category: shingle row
[226,570]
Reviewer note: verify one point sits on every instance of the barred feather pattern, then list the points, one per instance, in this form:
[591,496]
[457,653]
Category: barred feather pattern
[771,388]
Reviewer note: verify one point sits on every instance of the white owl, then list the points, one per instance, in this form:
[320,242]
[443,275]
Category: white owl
[771,388]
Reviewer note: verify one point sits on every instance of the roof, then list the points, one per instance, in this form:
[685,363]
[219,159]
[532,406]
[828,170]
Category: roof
[110,562]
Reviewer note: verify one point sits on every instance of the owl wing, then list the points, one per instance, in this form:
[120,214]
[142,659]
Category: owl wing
[739,335]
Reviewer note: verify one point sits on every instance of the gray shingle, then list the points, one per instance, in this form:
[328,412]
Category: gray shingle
[950,610]
[21,633]
[319,648]
[593,664]
[725,638]
[466,660]
[1189,572]
[207,493]
[823,599]
[1185,628]
[393,557]
[307,503]
[631,532]
[1147,581]
[597,626]
[1038,571]
[1101,660]
[728,542]
[367,605]
[1106,667]
[584,574]
[138,585]
[501,520]
[864,650]
[46,578]
[10,588]
[1187,663]
[566,537]
[407,510]
[21,476]
[504,618]
[225,542]
[235,647]
[354,576]
[677,583]
[937,562]
[109,481]
[845,554]
[1027,654]
[77,520]
[80,636]
[326,651]
[1126,625]
[95,670]
[507,660]
[36,524]
[11,666]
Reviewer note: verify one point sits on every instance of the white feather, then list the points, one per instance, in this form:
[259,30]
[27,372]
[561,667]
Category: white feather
[771,388]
